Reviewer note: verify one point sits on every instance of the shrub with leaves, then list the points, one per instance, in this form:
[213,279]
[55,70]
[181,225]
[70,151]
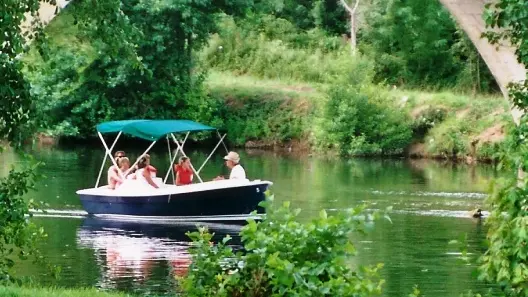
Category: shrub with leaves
[361,121]
[17,234]
[284,257]
[505,261]
[427,119]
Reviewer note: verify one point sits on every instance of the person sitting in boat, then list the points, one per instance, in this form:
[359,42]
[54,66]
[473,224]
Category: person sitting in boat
[184,173]
[146,172]
[232,161]
[113,173]
[124,165]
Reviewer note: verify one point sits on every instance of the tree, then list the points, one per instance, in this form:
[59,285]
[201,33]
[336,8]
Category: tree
[352,13]
[145,63]
[17,234]
[331,16]
[416,43]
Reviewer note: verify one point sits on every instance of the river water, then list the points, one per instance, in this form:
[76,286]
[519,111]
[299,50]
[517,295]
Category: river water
[430,199]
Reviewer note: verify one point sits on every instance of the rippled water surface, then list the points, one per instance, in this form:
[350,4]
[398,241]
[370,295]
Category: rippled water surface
[430,199]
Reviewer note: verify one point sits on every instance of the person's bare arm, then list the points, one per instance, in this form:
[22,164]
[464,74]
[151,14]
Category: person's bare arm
[147,176]
[115,176]
[178,183]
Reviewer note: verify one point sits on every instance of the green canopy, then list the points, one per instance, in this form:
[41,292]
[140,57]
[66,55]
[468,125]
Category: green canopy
[151,129]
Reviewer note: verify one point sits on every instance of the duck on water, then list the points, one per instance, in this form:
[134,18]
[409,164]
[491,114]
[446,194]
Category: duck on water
[221,199]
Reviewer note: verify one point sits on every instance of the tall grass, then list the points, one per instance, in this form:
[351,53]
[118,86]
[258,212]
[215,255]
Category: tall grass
[255,52]
[55,292]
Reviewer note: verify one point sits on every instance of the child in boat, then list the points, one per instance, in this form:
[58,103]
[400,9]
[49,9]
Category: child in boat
[146,172]
[184,173]
[124,165]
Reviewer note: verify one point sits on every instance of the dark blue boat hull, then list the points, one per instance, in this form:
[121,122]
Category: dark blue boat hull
[218,202]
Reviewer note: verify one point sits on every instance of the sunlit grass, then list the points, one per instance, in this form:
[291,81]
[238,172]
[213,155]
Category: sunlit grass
[227,81]
[55,292]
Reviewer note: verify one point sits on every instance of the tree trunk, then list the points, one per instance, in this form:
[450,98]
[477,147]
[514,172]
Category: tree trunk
[352,13]
[353,42]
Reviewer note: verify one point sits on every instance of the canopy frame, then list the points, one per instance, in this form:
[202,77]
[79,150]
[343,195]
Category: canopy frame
[179,148]
[105,156]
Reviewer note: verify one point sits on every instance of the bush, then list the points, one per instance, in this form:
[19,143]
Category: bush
[284,257]
[362,122]
[450,140]
[252,114]
[427,119]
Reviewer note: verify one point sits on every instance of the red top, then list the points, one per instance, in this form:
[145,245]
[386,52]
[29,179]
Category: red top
[185,174]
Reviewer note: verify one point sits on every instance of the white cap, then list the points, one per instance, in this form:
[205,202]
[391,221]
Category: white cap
[232,156]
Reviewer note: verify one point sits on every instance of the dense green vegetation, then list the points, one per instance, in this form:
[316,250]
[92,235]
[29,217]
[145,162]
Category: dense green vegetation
[273,73]
[504,263]
[349,111]
[17,234]
[283,257]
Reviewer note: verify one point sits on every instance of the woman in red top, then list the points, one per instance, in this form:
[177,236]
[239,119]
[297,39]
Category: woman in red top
[184,173]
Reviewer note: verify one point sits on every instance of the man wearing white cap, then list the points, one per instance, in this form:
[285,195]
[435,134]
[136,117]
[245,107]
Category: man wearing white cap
[232,162]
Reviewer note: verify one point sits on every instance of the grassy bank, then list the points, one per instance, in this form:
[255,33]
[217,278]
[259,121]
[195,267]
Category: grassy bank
[263,113]
[55,292]
[444,124]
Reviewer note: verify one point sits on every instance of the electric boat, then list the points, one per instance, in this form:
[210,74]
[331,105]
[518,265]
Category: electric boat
[205,200]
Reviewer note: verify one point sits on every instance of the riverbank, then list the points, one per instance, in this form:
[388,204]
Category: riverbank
[277,96]
[274,114]
[56,292]
[282,115]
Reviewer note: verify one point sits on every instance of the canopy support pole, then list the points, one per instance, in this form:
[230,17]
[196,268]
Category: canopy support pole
[209,157]
[173,159]
[137,161]
[170,166]
[104,160]
[109,153]
[183,153]
[222,137]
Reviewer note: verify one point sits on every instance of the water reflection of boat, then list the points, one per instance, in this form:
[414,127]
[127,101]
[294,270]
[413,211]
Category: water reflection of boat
[128,253]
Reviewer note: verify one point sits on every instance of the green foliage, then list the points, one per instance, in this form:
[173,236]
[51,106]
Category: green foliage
[361,121]
[504,262]
[283,257]
[53,83]
[17,234]
[139,70]
[415,293]
[328,15]
[15,109]
[509,14]
[272,117]
[273,48]
[450,139]
[427,119]
[331,16]
[416,43]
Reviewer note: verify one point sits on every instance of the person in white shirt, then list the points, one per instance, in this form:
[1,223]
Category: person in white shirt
[233,162]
